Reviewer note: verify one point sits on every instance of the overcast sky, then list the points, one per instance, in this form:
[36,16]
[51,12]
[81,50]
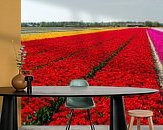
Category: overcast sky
[91,10]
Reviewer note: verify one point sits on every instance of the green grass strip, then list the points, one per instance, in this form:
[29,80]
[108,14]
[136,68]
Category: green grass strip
[92,73]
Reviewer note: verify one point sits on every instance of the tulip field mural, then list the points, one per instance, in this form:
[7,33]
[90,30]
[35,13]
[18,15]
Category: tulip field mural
[104,57]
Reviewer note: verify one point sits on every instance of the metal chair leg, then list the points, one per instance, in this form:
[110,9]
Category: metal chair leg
[69,120]
[89,116]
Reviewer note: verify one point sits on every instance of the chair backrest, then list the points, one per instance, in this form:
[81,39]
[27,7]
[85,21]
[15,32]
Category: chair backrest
[79,83]
[78,101]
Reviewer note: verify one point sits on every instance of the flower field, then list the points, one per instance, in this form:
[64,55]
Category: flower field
[109,58]
[157,38]
[50,33]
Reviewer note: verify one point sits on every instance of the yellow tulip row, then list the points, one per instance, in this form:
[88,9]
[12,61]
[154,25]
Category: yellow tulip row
[35,36]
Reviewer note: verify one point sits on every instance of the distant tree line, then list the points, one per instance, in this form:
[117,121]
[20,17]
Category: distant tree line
[91,24]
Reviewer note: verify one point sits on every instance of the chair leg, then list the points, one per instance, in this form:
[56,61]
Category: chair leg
[69,120]
[150,123]
[138,123]
[91,123]
[131,123]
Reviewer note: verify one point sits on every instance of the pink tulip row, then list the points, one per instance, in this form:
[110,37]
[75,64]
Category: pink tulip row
[157,39]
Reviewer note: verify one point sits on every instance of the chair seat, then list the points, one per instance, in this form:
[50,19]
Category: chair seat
[140,113]
[80,102]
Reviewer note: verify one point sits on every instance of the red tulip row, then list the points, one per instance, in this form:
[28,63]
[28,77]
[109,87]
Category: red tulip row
[132,66]
[54,49]
[79,64]
[82,55]
[30,106]
[48,51]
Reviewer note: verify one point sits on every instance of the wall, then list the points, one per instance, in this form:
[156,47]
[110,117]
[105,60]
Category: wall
[10,26]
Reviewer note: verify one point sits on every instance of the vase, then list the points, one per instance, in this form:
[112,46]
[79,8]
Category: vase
[18,82]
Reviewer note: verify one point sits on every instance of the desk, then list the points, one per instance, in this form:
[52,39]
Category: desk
[117,110]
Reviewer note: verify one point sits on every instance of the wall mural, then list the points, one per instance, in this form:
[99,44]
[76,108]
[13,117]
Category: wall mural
[108,43]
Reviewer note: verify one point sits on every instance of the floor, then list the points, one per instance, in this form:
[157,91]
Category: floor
[99,127]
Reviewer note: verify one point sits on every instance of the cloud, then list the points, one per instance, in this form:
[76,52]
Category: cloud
[135,10]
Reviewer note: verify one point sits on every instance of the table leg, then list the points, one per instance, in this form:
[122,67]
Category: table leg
[117,114]
[9,114]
